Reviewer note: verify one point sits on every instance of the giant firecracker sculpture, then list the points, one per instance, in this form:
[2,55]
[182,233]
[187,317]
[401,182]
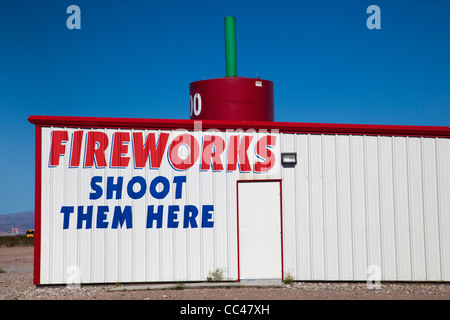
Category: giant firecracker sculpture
[232,97]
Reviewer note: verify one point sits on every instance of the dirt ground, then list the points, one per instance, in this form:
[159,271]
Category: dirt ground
[16,283]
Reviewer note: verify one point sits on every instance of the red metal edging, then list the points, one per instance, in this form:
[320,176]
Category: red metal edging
[37,206]
[282,127]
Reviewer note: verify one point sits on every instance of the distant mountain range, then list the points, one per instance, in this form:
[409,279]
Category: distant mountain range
[23,220]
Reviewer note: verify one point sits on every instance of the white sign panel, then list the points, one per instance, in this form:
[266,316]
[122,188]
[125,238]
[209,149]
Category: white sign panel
[117,202]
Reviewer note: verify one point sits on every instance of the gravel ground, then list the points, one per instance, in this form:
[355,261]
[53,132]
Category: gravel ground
[17,284]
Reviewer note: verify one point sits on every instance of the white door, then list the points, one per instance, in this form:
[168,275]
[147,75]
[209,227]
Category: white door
[259,223]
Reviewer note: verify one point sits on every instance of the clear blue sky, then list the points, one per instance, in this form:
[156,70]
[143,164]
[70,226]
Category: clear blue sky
[137,58]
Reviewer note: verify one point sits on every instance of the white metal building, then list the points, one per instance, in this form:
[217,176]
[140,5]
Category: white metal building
[142,200]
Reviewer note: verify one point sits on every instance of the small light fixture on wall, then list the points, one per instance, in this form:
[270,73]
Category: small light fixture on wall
[289,159]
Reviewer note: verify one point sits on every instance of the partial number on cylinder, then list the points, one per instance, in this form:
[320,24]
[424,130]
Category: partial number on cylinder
[196,104]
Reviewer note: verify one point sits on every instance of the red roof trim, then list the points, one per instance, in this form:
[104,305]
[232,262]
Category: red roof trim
[284,127]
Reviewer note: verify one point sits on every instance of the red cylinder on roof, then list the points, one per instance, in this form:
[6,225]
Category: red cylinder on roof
[232,98]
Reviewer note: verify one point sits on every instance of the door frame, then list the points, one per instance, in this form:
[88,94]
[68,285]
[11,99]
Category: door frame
[281,221]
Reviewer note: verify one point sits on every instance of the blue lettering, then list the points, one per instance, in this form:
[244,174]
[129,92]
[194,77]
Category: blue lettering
[207,211]
[165,190]
[159,187]
[141,192]
[84,217]
[179,180]
[98,191]
[190,214]
[67,211]
[121,217]
[172,216]
[101,217]
[151,215]
[111,187]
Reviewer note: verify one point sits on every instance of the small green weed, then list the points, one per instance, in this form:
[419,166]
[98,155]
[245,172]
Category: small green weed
[288,278]
[179,286]
[215,276]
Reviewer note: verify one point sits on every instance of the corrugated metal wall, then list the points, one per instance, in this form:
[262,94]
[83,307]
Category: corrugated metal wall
[349,203]
[356,201]
[139,254]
